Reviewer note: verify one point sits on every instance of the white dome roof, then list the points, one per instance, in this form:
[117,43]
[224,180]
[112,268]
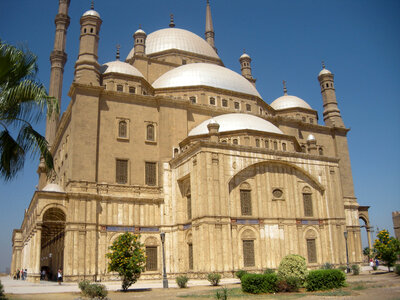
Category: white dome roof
[120,67]
[244,55]
[53,187]
[140,31]
[288,101]
[175,38]
[324,71]
[91,13]
[234,122]
[311,137]
[208,75]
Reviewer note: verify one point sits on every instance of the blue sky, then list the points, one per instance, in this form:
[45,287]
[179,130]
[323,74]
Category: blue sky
[287,39]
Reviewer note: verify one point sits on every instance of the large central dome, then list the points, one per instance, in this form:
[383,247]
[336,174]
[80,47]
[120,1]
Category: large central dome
[176,38]
[208,75]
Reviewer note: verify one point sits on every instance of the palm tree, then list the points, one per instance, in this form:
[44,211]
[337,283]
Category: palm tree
[22,102]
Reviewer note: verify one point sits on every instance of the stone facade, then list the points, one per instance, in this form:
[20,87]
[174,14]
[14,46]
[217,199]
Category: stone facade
[396,223]
[227,199]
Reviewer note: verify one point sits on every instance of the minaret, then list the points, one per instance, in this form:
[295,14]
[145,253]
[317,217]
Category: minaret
[139,38]
[87,68]
[209,27]
[331,112]
[58,58]
[245,66]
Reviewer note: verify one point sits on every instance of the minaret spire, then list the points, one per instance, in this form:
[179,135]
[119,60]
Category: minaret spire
[118,47]
[92,5]
[171,22]
[284,88]
[209,27]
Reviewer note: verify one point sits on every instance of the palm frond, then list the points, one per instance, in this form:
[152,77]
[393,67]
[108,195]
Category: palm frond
[12,156]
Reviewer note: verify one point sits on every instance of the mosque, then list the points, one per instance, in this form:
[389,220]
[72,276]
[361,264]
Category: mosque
[171,141]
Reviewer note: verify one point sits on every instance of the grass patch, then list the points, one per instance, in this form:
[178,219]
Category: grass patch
[338,292]
[358,287]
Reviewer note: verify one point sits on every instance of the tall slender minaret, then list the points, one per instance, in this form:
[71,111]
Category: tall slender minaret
[331,112]
[209,27]
[245,66]
[58,58]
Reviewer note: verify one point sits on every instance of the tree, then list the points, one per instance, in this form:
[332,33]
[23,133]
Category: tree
[22,102]
[370,253]
[387,248]
[127,258]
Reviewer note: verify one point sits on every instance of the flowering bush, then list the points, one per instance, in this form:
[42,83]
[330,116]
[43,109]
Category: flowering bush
[293,265]
[387,248]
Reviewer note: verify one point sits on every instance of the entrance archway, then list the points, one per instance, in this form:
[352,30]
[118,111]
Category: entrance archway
[52,243]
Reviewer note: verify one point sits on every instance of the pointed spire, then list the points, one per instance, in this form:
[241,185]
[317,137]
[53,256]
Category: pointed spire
[209,23]
[323,64]
[118,47]
[92,5]
[171,23]
[284,88]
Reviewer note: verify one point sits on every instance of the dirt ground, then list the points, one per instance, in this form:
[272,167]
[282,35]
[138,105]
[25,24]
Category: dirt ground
[368,286]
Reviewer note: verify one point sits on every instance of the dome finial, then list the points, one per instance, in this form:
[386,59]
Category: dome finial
[323,65]
[140,26]
[171,23]
[118,47]
[284,88]
[92,5]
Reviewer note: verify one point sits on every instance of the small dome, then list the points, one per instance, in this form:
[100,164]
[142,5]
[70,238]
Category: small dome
[311,138]
[208,75]
[53,187]
[176,38]
[288,101]
[212,121]
[120,67]
[244,55]
[235,122]
[324,71]
[91,12]
[140,31]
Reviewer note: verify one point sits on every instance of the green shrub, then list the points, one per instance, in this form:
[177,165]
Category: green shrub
[2,296]
[355,269]
[259,283]
[374,268]
[293,265]
[289,284]
[214,278]
[327,266]
[83,285]
[240,273]
[181,281]
[325,280]
[269,271]
[222,294]
[342,268]
[396,269]
[93,290]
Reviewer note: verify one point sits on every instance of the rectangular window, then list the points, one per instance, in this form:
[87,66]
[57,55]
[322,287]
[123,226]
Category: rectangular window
[151,261]
[190,256]
[248,253]
[132,90]
[189,206]
[311,251]
[212,101]
[308,209]
[224,103]
[151,173]
[120,88]
[237,105]
[248,107]
[245,202]
[122,171]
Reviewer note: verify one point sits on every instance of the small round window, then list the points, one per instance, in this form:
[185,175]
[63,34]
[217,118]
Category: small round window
[277,193]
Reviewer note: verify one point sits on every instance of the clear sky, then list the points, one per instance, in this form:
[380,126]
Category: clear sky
[286,39]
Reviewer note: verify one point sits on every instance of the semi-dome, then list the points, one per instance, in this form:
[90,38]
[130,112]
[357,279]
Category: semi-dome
[205,74]
[176,38]
[120,67]
[288,101]
[91,12]
[53,187]
[235,122]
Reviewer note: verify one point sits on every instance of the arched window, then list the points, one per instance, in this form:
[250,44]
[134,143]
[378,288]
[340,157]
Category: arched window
[150,133]
[311,238]
[257,143]
[248,238]
[266,144]
[321,151]
[122,129]
[212,100]
[303,148]
[245,199]
[120,88]
[235,141]
[275,145]
[284,146]
[307,202]
[151,254]
[224,103]
[192,99]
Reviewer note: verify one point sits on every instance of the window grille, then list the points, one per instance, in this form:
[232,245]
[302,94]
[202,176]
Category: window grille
[151,173]
[151,261]
[245,202]
[248,253]
[224,103]
[237,105]
[150,132]
[122,129]
[311,251]
[120,88]
[189,206]
[248,107]
[212,101]
[122,171]
[308,209]
[190,256]
[132,90]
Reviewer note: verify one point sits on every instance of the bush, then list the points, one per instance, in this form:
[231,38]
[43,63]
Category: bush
[259,283]
[269,271]
[93,290]
[240,273]
[2,296]
[327,266]
[396,269]
[290,284]
[355,269]
[181,281]
[342,268]
[293,265]
[374,268]
[325,280]
[214,278]
[222,294]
